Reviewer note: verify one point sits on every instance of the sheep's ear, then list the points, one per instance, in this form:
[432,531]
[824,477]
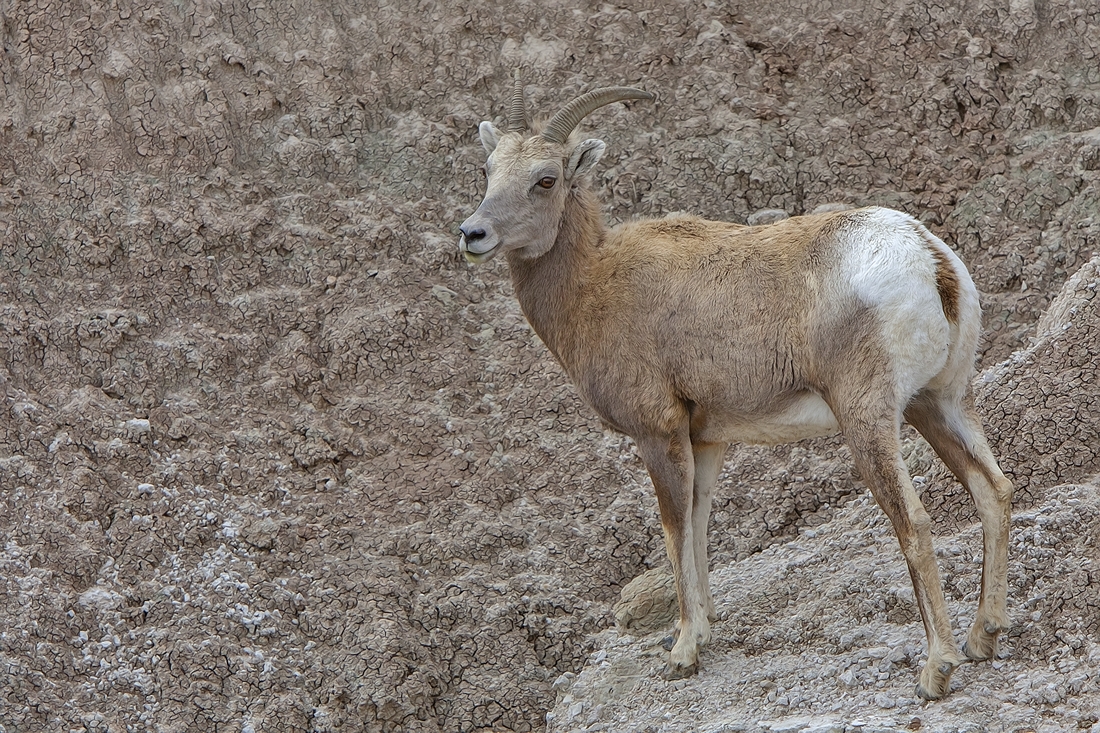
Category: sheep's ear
[490,136]
[584,157]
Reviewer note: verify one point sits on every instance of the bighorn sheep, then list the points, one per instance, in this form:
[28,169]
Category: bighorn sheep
[688,334]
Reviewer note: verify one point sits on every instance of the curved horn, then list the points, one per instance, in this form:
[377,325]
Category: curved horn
[517,117]
[570,116]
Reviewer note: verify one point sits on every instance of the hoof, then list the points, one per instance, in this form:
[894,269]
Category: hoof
[934,682]
[929,694]
[924,694]
[980,646]
[668,642]
[973,656]
[675,672]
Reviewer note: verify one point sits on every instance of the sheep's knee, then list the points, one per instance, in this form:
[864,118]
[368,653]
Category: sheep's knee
[916,545]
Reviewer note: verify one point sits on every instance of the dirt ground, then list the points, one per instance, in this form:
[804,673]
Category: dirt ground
[818,635]
[274,458]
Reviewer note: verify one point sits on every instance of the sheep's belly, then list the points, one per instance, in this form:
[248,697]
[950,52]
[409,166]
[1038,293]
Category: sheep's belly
[807,416]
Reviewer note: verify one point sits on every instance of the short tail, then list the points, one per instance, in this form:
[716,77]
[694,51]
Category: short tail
[947,283]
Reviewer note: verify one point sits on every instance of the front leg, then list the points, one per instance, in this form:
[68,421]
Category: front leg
[708,458]
[671,467]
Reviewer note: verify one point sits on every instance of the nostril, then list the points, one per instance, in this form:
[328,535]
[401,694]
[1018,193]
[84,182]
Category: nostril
[472,234]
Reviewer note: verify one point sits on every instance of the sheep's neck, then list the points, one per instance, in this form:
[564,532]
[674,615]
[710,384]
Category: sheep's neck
[549,287]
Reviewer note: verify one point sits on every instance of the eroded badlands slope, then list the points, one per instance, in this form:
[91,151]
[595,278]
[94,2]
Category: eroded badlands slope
[273,458]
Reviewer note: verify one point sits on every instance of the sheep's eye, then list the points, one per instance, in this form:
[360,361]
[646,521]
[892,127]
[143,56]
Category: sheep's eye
[547,182]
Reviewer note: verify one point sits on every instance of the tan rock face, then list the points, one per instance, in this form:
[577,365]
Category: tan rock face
[648,603]
[1045,400]
[272,457]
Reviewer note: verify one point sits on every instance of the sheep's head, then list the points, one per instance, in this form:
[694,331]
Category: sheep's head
[529,176]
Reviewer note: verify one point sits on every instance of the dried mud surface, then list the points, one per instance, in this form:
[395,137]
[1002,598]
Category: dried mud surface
[273,458]
[816,635]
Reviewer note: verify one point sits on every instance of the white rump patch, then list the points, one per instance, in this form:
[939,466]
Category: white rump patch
[890,268]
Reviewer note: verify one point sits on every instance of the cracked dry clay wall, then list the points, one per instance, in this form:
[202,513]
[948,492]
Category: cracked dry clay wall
[1045,399]
[272,456]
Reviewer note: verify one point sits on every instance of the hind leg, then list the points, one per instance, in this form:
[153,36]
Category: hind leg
[876,450]
[955,433]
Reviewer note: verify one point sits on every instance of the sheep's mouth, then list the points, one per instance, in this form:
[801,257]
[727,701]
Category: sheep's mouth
[477,258]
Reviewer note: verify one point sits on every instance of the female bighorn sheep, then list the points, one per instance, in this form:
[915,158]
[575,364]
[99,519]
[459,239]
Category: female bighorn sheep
[689,334]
